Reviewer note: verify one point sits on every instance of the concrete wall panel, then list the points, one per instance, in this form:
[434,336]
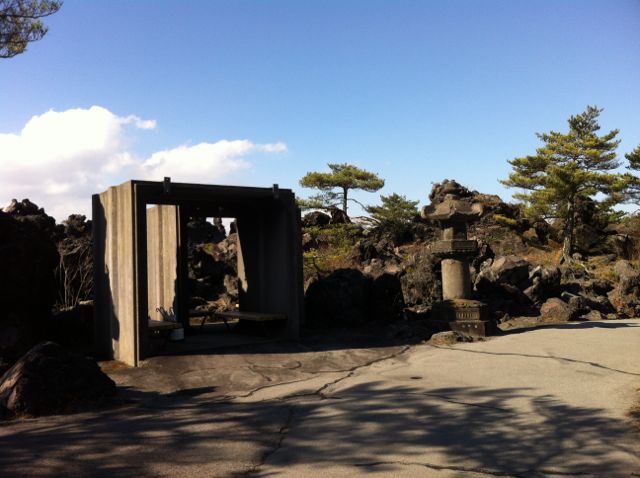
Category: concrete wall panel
[162,259]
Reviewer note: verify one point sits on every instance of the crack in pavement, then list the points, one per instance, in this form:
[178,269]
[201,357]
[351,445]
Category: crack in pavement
[484,471]
[282,434]
[565,359]
[319,391]
[263,387]
[252,367]
[351,371]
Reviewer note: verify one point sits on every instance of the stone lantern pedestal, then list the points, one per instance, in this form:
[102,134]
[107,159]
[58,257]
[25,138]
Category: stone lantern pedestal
[457,311]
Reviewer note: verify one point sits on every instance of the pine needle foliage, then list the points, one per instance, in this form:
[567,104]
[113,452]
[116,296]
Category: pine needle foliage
[395,214]
[569,167]
[21,24]
[634,181]
[334,186]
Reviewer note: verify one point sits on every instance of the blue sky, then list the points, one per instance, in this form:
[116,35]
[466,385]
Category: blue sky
[416,91]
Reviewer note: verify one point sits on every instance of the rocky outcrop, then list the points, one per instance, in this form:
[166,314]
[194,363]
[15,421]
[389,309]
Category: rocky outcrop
[200,231]
[28,257]
[47,379]
[625,297]
[422,280]
[212,271]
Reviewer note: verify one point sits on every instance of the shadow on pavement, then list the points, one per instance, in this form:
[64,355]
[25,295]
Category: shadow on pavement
[366,427]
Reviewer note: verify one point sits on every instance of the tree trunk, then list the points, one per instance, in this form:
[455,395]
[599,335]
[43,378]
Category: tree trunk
[344,200]
[567,244]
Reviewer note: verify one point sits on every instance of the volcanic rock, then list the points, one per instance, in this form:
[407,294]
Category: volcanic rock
[48,379]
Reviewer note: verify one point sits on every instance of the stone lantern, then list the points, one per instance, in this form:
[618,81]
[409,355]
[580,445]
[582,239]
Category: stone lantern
[457,311]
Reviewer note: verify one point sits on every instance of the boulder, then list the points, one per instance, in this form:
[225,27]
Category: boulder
[556,310]
[510,269]
[576,302]
[338,216]
[316,219]
[341,298]
[448,337]
[594,315]
[545,283]
[48,379]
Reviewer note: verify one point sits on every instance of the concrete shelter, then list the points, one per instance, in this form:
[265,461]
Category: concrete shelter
[140,256]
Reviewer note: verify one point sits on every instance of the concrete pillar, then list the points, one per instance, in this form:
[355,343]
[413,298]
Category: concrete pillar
[162,260]
[456,279]
[115,274]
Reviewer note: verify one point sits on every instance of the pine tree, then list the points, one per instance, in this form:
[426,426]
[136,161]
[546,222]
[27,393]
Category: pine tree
[342,177]
[394,209]
[566,169]
[395,214]
[634,181]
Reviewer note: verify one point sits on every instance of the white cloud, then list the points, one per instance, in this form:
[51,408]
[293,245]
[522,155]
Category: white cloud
[59,159]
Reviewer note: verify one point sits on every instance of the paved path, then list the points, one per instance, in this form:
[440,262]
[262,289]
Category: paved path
[548,402]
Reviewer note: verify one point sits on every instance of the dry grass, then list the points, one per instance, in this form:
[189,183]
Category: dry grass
[546,257]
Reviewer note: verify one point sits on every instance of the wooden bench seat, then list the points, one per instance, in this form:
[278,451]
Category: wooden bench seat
[250,316]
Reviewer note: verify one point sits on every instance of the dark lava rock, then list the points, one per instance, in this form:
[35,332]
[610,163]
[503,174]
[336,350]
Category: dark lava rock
[201,231]
[625,297]
[48,379]
[26,211]
[422,281]
[341,298]
[28,258]
[545,283]
[439,191]
[557,310]
[511,270]
[338,216]
[316,219]
[387,301]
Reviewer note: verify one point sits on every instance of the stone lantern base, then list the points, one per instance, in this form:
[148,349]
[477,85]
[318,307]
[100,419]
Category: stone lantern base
[469,317]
